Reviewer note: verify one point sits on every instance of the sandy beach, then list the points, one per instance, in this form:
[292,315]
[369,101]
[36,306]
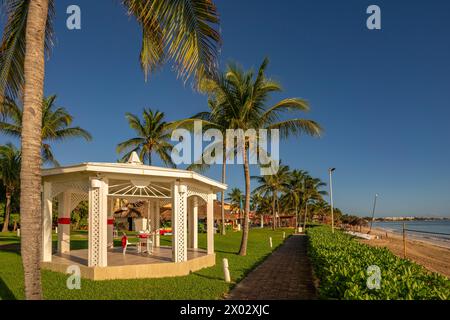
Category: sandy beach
[433,256]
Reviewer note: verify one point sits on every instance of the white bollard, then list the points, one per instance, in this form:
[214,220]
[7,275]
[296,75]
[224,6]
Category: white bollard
[270,242]
[18,232]
[284,235]
[226,270]
[56,230]
[239,227]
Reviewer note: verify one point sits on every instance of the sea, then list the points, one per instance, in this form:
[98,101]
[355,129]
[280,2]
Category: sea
[435,231]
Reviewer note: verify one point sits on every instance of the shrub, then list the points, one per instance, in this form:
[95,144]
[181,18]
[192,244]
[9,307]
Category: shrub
[341,265]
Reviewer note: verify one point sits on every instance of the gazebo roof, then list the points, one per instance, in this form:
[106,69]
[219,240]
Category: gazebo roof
[133,169]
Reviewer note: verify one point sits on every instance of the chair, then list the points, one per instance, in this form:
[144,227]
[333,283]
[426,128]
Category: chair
[126,244]
[146,238]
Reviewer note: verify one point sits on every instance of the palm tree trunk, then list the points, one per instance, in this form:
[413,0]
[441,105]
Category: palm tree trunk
[274,215]
[306,214]
[7,211]
[222,194]
[296,217]
[30,174]
[279,213]
[245,229]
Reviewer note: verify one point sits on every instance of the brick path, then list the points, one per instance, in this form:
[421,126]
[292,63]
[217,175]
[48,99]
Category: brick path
[285,275]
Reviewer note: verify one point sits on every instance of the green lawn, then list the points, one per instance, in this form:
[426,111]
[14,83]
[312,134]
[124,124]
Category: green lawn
[204,284]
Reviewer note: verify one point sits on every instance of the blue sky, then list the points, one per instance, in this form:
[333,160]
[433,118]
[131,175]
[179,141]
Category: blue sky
[382,96]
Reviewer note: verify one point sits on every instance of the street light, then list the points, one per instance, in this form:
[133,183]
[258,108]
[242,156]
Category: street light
[373,211]
[330,171]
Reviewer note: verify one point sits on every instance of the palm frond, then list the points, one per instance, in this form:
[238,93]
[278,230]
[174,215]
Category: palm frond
[130,143]
[74,132]
[47,155]
[184,30]
[285,105]
[296,127]
[12,48]
[198,167]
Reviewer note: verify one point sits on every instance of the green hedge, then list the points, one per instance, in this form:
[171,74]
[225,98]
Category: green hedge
[341,263]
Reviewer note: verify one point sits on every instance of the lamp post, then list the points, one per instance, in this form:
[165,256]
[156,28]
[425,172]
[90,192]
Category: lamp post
[330,171]
[373,211]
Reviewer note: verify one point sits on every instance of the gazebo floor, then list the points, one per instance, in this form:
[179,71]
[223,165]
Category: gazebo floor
[132,265]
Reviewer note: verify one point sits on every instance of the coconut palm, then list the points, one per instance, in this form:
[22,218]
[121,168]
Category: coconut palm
[153,136]
[235,197]
[261,205]
[312,193]
[56,127]
[271,186]
[320,208]
[242,99]
[210,120]
[183,30]
[9,175]
[293,195]
[255,201]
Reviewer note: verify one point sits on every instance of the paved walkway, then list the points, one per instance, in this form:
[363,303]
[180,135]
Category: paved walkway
[285,275]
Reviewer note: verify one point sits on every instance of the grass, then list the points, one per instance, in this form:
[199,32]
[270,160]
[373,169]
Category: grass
[204,284]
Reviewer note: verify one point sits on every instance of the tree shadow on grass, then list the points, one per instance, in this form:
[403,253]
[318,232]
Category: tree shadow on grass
[207,277]
[5,292]
[78,244]
[11,248]
[227,251]
[10,239]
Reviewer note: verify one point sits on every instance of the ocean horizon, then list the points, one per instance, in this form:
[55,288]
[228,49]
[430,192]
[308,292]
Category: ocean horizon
[436,231]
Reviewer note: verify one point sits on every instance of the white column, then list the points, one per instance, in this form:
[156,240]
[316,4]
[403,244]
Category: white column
[210,223]
[193,223]
[98,215]
[47,222]
[179,222]
[111,222]
[150,216]
[156,223]
[64,222]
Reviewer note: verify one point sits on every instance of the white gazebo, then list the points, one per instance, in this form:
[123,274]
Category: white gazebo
[100,184]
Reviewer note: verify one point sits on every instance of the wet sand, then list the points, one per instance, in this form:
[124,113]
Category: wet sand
[433,256]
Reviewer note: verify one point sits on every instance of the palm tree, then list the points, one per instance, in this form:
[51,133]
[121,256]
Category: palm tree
[242,99]
[320,208]
[293,196]
[261,205]
[255,201]
[210,119]
[9,174]
[312,193]
[271,186]
[235,197]
[56,123]
[153,136]
[183,30]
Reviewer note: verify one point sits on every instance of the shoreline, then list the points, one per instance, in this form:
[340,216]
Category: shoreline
[432,255]
[435,241]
